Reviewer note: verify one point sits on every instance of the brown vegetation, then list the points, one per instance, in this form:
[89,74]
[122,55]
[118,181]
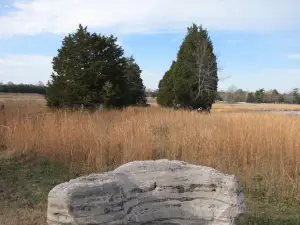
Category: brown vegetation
[246,144]
[261,149]
[248,107]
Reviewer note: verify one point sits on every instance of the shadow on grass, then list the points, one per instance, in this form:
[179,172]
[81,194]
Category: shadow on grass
[25,180]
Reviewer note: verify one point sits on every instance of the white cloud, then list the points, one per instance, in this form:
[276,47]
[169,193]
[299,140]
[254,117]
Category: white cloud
[294,56]
[25,68]
[62,16]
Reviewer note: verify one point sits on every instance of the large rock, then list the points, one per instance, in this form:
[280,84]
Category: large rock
[148,192]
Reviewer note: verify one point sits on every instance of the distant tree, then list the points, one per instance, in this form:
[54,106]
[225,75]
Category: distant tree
[231,94]
[219,97]
[236,95]
[250,98]
[89,69]
[241,95]
[192,79]
[271,96]
[288,98]
[281,99]
[296,96]
[10,87]
[275,92]
[40,83]
[148,92]
[259,95]
[223,95]
[154,93]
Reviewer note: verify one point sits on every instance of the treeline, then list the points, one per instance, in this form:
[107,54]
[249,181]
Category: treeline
[22,88]
[151,93]
[234,95]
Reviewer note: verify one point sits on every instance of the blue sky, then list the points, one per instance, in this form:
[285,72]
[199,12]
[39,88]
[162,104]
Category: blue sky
[257,41]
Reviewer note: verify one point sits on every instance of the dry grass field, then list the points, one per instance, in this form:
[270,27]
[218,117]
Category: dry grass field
[41,148]
[241,107]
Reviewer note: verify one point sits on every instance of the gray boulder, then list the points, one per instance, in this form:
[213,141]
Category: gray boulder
[148,192]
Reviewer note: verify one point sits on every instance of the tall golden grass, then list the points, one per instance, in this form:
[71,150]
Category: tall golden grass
[261,149]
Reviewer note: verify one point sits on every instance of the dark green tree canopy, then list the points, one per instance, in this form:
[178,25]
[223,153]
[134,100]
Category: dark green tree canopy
[22,88]
[259,95]
[165,95]
[193,78]
[137,93]
[87,67]
[250,98]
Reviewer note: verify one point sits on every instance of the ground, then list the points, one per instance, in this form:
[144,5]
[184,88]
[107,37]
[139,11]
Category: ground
[25,180]
[34,149]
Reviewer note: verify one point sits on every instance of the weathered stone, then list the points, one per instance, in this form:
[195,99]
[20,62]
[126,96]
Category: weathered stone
[148,192]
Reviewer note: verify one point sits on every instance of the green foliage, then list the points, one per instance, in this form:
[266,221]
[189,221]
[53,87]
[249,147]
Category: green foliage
[109,94]
[250,98]
[22,88]
[259,95]
[281,99]
[27,179]
[151,93]
[136,94]
[165,94]
[296,95]
[219,97]
[90,69]
[154,94]
[192,79]
[275,92]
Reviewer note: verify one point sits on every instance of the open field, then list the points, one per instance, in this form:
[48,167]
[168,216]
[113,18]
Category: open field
[8,97]
[261,149]
[246,107]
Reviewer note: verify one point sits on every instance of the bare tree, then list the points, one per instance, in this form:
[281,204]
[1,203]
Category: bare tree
[205,67]
[231,96]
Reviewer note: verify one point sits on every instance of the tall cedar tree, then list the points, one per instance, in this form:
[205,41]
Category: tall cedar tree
[194,77]
[165,95]
[137,93]
[89,69]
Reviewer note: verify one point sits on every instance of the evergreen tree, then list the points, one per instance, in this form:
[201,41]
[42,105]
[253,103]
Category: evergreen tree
[136,94]
[250,98]
[165,94]
[296,96]
[259,95]
[22,88]
[89,69]
[281,99]
[193,79]
[219,97]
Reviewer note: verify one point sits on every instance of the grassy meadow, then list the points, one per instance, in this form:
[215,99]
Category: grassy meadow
[40,148]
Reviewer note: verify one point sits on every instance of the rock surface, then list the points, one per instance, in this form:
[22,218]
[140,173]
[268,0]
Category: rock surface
[148,192]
